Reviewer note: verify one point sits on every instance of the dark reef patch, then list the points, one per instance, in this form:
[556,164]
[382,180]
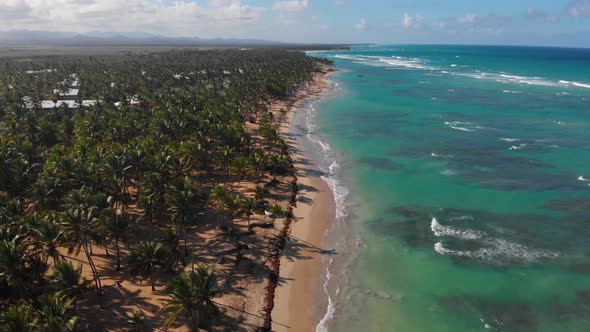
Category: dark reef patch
[379,163]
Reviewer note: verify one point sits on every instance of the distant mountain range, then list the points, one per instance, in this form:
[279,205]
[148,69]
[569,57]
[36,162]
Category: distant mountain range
[47,38]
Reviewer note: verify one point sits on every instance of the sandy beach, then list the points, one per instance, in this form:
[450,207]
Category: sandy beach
[299,299]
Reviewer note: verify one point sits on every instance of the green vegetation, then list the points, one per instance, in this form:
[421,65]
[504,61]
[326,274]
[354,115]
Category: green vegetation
[152,152]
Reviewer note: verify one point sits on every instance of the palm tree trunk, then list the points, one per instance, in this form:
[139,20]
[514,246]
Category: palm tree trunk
[185,241]
[97,281]
[151,222]
[194,320]
[118,255]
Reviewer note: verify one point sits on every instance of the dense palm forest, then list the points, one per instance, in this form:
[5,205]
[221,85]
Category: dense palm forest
[147,146]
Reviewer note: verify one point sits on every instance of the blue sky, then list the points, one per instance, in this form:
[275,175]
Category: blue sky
[523,22]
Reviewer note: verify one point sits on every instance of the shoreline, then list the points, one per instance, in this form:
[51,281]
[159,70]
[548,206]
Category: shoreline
[299,299]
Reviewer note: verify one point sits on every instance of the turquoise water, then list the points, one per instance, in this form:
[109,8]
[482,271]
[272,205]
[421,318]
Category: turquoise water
[470,171]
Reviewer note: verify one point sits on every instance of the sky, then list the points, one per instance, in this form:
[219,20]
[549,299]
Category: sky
[507,22]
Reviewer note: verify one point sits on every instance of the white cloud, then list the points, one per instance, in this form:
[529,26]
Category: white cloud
[467,19]
[291,6]
[181,17]
[538,15]
[409,21]
[361,25]
[578,8]
[489,24]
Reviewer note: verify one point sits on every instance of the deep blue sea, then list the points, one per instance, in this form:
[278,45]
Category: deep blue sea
[462,175]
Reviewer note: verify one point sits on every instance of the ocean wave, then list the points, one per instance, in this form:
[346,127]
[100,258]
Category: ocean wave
[457,125]
[522,80]
[406,63]
[394,61]
[581,85]
[494,250]
[442,230]
[517,147]
[448,172]
[340,195]
[323,324]
[581,178]
[436,155]
[508,139]
[499,251]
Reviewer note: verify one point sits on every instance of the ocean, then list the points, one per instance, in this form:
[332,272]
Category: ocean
[462,181]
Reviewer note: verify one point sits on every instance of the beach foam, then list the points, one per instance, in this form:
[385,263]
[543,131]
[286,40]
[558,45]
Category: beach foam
[323,324]
[340,194]
[449,231]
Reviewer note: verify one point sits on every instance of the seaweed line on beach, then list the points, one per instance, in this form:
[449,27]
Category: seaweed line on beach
[278,245]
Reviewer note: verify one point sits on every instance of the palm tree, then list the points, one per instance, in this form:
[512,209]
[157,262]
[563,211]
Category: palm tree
[182,206]
[78,224]
[241,165]
[147,259]
[276,211]
[19,318]
[191,296]
[68,279]
[55,314]
[222,199]
[117,227]
[247,207]
[13,258]
[49,236]
[146,203]
[260,193]
[170,240]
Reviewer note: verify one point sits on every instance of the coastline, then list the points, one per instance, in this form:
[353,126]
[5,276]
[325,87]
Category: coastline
[299,298]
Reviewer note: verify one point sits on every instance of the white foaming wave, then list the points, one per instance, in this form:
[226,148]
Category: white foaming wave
[581,178]
[436,155]
[518,147]
[498,251]
[510,79]
[440,248]
[450,231]
[457,125]
[448,172]
[323,324]
[510,91]
[508,139]
[340,194]
[528,80]
[453,65]
[581,85]
[362,59]
[495,250]
[406,63]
